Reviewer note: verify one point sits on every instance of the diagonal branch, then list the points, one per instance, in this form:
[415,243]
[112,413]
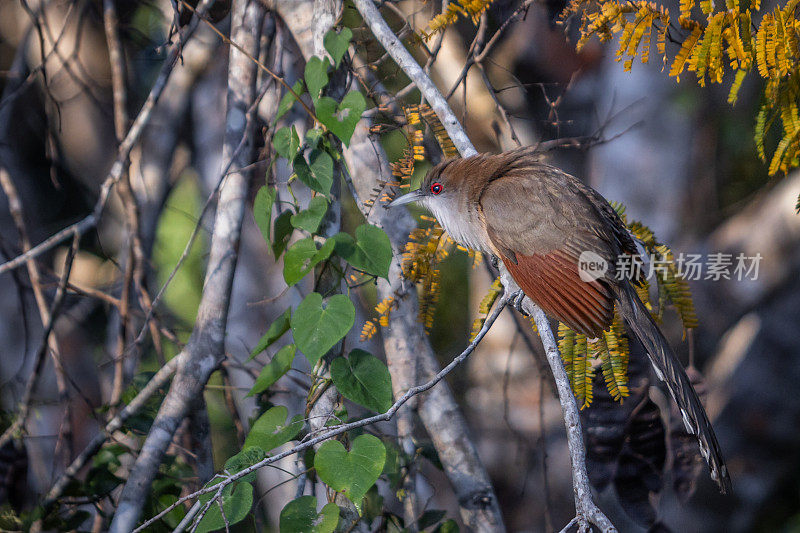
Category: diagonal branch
[586,509]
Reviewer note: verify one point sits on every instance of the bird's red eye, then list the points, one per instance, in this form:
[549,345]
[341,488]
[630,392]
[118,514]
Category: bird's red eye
[436,187]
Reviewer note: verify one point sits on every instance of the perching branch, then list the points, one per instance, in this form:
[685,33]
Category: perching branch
[586,510]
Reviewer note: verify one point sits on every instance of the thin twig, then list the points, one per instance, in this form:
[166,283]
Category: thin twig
[116,58]
[52,313]
[477,44]
[500,107]
[493,40]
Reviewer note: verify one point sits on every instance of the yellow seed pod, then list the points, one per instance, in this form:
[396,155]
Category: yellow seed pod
[368,330]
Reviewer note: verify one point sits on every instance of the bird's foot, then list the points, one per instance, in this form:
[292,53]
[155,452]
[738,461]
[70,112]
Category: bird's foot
[517,299]
[495,261]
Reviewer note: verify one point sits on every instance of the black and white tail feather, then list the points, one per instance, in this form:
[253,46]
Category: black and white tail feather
[670,370]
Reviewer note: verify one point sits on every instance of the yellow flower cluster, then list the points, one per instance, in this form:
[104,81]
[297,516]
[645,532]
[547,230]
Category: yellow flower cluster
[715,40]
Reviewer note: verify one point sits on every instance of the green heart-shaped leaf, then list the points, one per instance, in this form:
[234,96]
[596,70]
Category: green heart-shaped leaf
[317,327]
[371,251]
[275,331]
[351,473]
[302,257]
[313,136]
[282,231]
[262,209]
[364,379]
[271,429]
[286,142]
[319,174]
[341,119]
[337,43]
[245,459]
[236,502]
[288,100]
[273,371]
[310,218]
[300,516]
[316,75]
[322,168]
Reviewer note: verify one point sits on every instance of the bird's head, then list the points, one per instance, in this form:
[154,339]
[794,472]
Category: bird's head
[438,186]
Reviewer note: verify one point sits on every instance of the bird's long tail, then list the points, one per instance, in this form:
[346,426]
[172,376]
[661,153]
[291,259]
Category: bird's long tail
[670,370]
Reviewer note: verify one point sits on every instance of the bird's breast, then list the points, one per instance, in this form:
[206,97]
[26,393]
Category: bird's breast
[463,225]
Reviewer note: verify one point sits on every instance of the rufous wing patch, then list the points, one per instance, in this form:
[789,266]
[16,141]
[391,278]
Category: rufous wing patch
[553,282]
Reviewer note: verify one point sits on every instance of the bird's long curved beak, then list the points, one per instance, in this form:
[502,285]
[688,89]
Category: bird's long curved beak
[408,198]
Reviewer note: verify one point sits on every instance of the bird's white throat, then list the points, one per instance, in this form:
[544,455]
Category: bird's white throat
[462,225]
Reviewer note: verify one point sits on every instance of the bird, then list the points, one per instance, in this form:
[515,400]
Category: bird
[542,222]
